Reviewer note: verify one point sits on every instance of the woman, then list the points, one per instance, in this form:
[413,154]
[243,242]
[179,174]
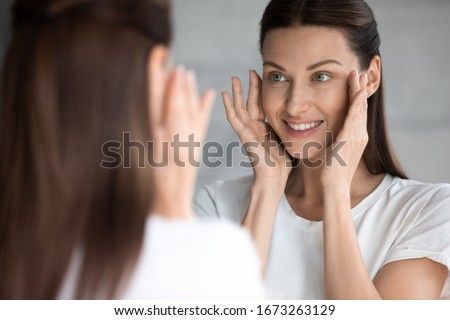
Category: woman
[341,221]
[80,74]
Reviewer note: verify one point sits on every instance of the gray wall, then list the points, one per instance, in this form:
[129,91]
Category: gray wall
[218,38]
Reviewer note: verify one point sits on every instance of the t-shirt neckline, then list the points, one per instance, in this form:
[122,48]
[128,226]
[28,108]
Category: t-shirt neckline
[303,223]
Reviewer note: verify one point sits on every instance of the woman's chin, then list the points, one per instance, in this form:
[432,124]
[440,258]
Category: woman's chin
[302,155]
[311,159]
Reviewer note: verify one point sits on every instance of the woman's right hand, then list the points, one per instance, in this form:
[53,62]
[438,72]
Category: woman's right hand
[271,163]
[269,159]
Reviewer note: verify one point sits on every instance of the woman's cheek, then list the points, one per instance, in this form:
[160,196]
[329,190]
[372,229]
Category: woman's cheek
[271,105]
[333,102]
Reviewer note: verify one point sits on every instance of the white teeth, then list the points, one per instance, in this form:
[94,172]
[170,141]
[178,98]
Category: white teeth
[304,126]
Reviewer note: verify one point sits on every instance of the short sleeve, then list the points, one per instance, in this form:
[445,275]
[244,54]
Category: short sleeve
[428,233]
[204,203]
[224,199]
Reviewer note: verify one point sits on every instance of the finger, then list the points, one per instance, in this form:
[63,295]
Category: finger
[232,116]
[192,91]
[356,120]
[238,99]
[254,106]
[359,100]
[169,96]
[354,85]
[360,104]
[176,94]
[364,81]
[206,104]
[229,108]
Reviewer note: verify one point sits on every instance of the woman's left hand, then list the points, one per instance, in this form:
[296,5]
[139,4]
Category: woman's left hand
[177,143]
[353,137]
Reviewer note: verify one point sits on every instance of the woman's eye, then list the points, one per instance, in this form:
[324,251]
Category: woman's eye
[321,77]
[276,77]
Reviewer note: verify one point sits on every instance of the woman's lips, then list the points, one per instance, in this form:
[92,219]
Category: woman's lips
[303,130]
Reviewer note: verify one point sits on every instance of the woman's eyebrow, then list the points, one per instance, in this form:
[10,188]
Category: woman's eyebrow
[311,67]
[321,63]
[273,64]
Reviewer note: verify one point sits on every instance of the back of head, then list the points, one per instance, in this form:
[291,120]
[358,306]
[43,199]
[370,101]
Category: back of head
[357,22]
[74,77]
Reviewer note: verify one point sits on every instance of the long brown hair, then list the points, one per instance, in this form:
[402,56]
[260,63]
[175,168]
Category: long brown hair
[357,21]
[74,77]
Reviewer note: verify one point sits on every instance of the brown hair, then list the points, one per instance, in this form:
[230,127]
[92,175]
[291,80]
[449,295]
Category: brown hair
[74,77]
[357,21]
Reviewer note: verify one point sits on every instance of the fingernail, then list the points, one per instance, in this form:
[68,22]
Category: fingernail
[357,73]
[366,76]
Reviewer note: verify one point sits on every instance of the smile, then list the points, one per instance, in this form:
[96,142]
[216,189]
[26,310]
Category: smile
[304,126]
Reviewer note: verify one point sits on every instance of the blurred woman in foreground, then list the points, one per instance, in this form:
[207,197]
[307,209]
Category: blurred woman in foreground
[79,75]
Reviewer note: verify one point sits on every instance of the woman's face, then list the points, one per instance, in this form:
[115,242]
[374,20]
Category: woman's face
[305,85]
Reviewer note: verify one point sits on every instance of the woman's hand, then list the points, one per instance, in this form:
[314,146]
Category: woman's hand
[269,159]
[346,275]
[185,118]
[353,137]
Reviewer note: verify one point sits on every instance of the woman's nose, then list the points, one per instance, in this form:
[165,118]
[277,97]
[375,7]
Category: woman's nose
[298,100]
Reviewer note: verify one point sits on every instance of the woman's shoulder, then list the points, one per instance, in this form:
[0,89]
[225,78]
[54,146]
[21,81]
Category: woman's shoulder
[194,231]
[224,199]
[199,237]
[229,187]
[414,185]
[195,259]
[423,192]
[422,206]
[421,210]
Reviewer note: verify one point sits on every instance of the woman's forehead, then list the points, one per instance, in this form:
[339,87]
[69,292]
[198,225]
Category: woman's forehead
[307,43]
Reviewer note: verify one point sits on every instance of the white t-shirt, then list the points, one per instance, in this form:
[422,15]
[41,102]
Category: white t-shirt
[189,259]
[400,219]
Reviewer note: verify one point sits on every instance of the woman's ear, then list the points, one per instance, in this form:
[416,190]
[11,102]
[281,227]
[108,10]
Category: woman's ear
[157,74]
[374,74]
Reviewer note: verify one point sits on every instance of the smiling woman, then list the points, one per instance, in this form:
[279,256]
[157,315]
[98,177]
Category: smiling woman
[330,209]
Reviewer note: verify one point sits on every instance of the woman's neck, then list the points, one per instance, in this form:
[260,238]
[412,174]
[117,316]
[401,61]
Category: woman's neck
[304,190]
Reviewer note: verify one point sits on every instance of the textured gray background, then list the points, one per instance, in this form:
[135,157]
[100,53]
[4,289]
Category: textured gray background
[218,38]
